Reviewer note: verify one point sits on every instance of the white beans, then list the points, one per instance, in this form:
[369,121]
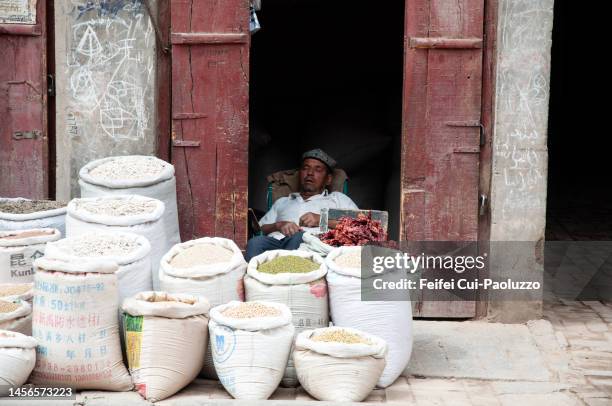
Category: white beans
[349,260]
[128,168]
[117,206]
[98,245]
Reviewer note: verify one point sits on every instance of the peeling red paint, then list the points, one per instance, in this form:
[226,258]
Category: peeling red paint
[210,59]
[23,108]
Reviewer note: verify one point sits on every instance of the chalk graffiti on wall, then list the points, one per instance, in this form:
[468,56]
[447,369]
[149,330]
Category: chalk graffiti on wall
[523,92]
[109,75]
[17,11]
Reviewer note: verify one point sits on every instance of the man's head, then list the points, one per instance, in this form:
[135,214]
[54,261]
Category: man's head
[316,171]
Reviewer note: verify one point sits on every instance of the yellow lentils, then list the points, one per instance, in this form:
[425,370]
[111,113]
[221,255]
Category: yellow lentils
[340,336]
[250,310]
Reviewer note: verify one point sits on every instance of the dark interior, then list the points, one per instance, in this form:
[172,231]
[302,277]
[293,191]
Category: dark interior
[328,74]
[579,205]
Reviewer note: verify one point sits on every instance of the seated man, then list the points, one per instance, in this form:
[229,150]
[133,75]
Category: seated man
[290,216]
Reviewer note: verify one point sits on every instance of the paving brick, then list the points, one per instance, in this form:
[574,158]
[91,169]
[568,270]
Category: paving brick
[595,345]
[600,308]
[603,384]
[561,340]
[301,394]
[597,401]
[557,399]
[284,394]
[522,387]
[448,385]
[376,396]
[572,377]
[399,391]
[597,326]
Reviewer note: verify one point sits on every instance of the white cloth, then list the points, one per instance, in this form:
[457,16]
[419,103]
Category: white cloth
[292,207]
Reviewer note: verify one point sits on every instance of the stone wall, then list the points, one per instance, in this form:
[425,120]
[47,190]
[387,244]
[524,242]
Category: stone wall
[105,84]
[520,156]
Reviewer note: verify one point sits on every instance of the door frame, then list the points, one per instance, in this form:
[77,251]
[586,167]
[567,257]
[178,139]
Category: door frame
[489,65]
[487,117]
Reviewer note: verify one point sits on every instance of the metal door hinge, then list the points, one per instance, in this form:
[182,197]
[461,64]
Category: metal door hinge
[470,123]
[50,85]
[482,134]
[482,204]
[26,135]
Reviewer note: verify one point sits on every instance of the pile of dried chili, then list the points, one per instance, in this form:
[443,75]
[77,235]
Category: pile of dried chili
[354,231]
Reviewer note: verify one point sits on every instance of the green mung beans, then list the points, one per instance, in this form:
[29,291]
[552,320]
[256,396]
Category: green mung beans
[288,264]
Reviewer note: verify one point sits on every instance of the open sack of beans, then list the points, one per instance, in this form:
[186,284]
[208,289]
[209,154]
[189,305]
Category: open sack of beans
[136,214]
[16,315]
[131,252]
[19,249]
[391,320]
[166,336]
[293,278]
[25,214]
[339,364]
[211,267]
[17,359]
[12,292]
[134,175]
[75,322]
[250,344]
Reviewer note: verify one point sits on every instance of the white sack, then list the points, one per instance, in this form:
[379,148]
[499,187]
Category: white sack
[149,225]
[162,187]
[304,293]
[219,283]
[54,218]
[336,371]
[19,320]
[134,268]
[250,355]
[17,359]
[75,323]
[166,336]
[389,320]
[312,243]
[19,252]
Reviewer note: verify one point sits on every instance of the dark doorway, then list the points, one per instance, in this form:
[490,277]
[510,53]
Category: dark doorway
[579,204]
[328,74]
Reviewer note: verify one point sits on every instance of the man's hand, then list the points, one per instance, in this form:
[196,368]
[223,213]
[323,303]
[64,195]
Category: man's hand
[310,220]
[288,228]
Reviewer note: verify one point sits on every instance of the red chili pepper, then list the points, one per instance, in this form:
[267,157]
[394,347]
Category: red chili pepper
[355,231]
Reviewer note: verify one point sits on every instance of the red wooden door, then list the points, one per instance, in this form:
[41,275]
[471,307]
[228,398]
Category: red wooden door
[441,128]
[210,79]
[23,108]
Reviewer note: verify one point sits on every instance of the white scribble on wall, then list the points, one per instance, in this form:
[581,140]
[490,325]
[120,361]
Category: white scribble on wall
[109,75]
[523,91]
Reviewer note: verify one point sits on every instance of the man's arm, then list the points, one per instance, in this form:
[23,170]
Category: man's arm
[288,228]
[269,224]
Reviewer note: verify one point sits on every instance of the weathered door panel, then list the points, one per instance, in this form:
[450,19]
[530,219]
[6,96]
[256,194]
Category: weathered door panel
[23,109]
[441,129]
[210,59]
